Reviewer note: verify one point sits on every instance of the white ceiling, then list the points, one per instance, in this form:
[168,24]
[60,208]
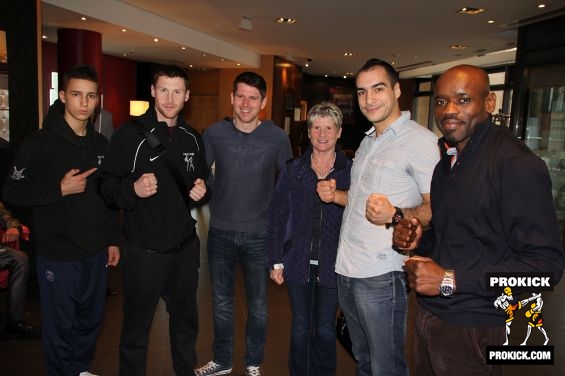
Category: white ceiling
[413,34]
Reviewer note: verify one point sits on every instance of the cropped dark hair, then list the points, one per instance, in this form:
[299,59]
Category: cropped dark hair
[390,71]
[81,72]
[251,79]
[170,71]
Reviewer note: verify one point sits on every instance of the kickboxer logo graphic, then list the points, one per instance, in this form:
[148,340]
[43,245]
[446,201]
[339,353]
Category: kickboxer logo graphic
[188,160]
[534,313]
[534,284]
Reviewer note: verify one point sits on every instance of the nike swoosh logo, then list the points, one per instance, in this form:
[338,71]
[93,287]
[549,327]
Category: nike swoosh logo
[153,158]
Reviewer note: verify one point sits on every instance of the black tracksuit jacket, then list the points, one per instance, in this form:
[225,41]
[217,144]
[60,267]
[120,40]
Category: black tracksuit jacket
[65,228]
[162,222]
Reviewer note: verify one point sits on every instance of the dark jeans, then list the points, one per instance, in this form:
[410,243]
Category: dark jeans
[73,297]
[225,250]
[375,309]
[17,263]
[148,276]
[443,349]
[312,340]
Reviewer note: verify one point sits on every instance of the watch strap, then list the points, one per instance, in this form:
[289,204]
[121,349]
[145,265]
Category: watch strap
[396,217]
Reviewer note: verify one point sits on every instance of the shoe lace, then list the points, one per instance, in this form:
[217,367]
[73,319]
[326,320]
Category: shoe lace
[253,371]
[210,366]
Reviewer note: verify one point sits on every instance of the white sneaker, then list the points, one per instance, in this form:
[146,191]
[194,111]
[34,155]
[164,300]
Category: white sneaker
[253,371]
[86,374]
[213,369]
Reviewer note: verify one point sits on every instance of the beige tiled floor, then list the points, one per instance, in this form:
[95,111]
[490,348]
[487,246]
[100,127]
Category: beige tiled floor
[23,357]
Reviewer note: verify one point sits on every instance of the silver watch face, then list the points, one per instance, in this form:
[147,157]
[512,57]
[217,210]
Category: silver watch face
[446,290]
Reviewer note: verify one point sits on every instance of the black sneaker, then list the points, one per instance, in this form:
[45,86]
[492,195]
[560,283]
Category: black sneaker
[22,330]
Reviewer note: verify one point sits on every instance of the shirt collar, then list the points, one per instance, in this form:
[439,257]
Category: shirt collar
[395,127]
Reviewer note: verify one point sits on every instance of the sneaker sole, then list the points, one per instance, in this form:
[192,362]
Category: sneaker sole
[219,373]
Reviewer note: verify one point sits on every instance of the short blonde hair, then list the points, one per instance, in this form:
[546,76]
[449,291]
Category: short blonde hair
[325,109]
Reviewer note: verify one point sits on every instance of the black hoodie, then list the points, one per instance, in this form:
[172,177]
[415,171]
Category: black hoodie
[65,228]
[161,222]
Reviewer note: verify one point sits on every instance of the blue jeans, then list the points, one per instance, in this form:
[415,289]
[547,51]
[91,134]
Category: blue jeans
[225,250]
[312,340]
[375,309]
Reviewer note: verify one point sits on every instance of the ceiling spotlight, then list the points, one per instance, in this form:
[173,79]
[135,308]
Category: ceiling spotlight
[155,40]
[347,54]
[44,36]
[470,11]
[284,20]
[457,46]
[541,5]
[245,24]
[124,30]
[83,18]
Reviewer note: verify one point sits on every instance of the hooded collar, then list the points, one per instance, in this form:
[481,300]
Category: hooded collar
[55,122]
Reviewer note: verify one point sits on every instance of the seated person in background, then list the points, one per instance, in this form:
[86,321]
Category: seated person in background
[17,264]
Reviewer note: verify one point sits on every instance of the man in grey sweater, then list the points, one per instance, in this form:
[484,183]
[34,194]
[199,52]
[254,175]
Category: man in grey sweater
[247,154]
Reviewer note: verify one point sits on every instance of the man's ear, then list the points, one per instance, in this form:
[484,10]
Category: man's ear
[490,102]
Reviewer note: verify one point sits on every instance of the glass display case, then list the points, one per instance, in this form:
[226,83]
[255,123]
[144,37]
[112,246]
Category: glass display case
[544,123]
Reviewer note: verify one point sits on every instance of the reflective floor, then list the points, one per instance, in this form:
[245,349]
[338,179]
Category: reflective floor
[23,357]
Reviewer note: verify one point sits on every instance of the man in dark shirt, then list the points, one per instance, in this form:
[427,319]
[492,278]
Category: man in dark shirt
[492,211]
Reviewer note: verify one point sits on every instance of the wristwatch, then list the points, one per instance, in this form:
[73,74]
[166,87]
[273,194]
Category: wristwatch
[447,287]
[396,217]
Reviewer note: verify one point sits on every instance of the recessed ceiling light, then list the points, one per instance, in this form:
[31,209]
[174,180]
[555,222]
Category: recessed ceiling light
[306,65]
[325,75]
[285,20]
[124,30]
[124,54]
[183,48]
[541,5]
[347,54]
[457,46]
[44,36]
[490,21]
[470,11]
[155,39]
[204,54]
[238,64]
[83,18]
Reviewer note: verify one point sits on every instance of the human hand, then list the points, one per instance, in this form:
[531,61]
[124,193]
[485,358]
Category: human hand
[10,235]
[424,275]
[146,185]
[113,255]
[73,182]
[198,191]
[326,190]
[407,234]
[379,210]
[277,276]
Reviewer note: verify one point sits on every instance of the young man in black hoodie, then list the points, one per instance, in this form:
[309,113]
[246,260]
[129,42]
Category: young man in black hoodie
[55,173]
[155,171]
